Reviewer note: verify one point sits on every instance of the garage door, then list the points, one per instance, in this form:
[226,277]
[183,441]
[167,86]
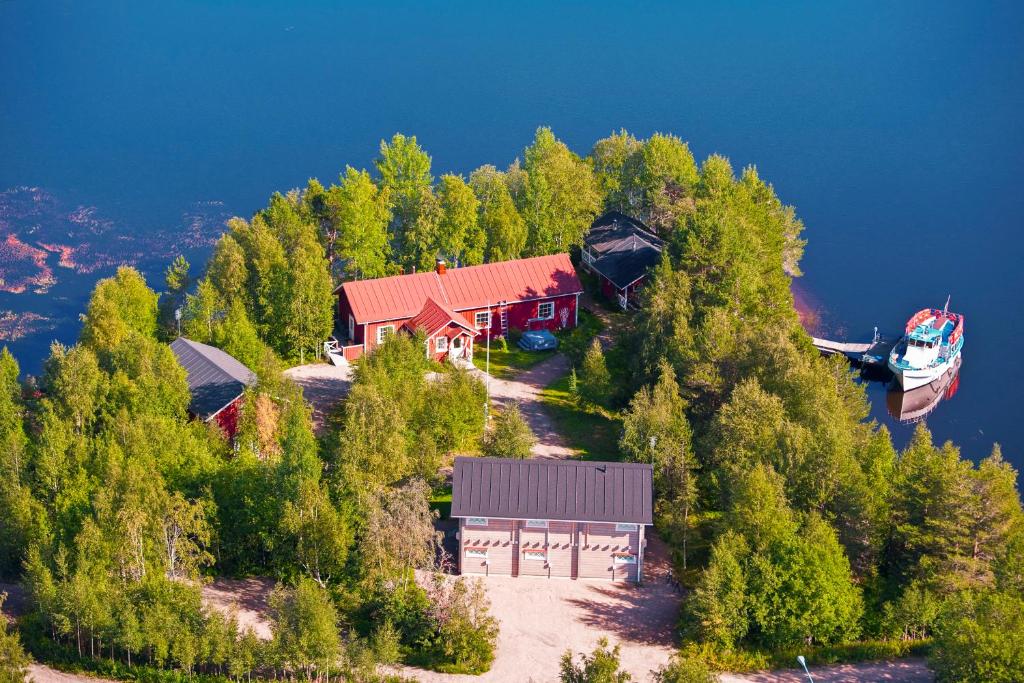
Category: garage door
[486,546]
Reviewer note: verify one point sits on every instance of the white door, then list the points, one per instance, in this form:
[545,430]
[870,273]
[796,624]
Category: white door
[457,347]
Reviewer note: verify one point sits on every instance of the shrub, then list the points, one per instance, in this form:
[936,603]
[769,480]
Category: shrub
[511,436]
[466,633]
[685,669]
[600,666]
[977,638]
[594,381]
[387,643]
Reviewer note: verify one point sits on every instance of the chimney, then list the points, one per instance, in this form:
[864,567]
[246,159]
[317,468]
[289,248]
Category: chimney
[442,268]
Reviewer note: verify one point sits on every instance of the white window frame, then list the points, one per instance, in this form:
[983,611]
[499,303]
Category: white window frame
[383,331]
[540,308]
[532,555]
[624,559]
[476,521]
[477,553]
[487,320]
[536,524]
[439,346]
[624,526]
[351,329]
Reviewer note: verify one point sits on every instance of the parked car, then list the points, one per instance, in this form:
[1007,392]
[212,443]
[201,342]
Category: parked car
[538,340]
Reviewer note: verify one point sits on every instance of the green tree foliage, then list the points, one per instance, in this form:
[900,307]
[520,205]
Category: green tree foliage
[656,431]
[782,580]
[310,309]
[504,229]
[227,270]
[460,236]
[361,212]
[511,436]
[404,170]
[560,199]
[305,627]
[595,382]
[13,660]
[615,160]
[977,639]
[395,423]
[664,177]
[600,666]
[120,305]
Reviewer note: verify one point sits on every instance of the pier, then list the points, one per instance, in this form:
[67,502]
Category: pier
[873,353]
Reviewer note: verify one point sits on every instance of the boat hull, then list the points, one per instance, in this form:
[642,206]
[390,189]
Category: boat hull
[914,378]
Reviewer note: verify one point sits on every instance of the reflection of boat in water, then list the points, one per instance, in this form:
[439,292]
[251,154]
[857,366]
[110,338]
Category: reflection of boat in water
[916,404]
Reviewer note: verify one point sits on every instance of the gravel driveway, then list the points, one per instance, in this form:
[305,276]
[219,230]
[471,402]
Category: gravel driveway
[542,618]
[323,386]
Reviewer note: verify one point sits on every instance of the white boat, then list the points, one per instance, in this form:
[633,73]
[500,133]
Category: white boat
[930,348]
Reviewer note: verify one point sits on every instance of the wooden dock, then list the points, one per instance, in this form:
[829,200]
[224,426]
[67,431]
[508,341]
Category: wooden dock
[876,352]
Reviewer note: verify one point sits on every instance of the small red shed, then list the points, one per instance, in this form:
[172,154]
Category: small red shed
[216,381]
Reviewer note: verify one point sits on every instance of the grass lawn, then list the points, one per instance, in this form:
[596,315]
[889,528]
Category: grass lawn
[592,432]
[507,364]
[441,500]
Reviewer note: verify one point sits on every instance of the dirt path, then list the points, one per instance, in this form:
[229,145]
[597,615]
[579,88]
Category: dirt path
[898,671]
[40,673]
[525,389]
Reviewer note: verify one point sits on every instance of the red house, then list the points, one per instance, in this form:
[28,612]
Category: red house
[620,250]
[455,306]
[216,382]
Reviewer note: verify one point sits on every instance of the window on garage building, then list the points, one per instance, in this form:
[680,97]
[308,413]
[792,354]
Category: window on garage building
[383,332]
[546,311]
[536,524]
[480,553]
[625,527]
[477,521]
[483,320]
[535,555]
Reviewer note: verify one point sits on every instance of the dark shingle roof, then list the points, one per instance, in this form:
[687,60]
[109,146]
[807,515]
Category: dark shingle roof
[567,490]
[624,247]
[215,379]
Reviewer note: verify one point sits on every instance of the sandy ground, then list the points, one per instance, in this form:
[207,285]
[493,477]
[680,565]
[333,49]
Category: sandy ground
[323,386]
[900,671]
[542,618]
[44,674]
[245,598]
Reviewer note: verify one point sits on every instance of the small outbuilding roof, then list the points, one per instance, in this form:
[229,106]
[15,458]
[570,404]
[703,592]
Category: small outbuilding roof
[623,247]
[563,490]
[403,296]
[215,379]
[434,317]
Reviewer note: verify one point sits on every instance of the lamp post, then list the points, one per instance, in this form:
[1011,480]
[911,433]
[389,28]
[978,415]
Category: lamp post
[487,369]
[803,663]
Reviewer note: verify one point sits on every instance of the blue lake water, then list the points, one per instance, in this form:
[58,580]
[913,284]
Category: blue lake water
[895,131]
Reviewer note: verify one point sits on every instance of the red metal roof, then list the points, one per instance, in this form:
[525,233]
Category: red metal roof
[403,296]
[434,317]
